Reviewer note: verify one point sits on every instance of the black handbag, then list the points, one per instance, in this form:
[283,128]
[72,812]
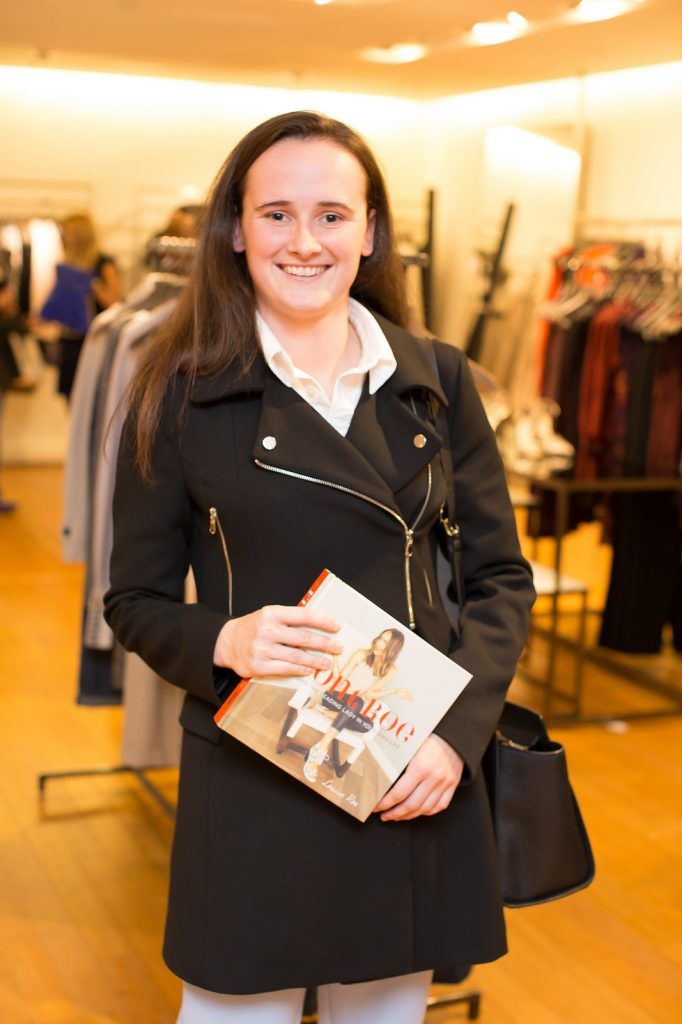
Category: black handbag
[542,843]
[543,847]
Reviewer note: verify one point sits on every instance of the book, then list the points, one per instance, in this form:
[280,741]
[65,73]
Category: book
[348,732]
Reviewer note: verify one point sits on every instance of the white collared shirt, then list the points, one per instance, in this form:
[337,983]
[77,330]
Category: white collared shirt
[377,360]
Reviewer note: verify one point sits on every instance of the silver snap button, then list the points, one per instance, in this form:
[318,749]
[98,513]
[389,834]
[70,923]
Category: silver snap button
[269,442]
[419,441]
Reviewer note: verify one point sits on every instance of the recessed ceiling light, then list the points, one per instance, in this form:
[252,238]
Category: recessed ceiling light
[601,10]
[517,20]
[489,33]
[323,3]
[399,53]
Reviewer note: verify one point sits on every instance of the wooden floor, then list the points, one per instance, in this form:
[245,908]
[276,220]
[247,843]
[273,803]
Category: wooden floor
[83,875]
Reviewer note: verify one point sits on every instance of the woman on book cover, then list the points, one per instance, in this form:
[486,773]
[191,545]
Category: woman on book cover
[283,420]
[369,670]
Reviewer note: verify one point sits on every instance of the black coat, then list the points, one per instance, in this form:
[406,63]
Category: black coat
[271,886]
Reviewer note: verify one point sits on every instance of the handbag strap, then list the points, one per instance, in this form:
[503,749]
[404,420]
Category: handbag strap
[448,518]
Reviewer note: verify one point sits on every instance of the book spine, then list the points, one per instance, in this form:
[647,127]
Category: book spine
[224,708]
[315,587]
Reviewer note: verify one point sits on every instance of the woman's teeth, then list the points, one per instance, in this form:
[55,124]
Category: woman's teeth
[304,271]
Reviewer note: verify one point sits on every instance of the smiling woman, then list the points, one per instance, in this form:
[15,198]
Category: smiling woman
[282,422]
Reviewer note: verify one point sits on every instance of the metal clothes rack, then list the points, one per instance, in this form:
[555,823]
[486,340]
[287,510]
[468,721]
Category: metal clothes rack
[495,276]
[138,773]
[564,488]
[181,249]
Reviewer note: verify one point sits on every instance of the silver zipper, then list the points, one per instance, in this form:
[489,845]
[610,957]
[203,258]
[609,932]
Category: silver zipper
[213,525]
[409,530]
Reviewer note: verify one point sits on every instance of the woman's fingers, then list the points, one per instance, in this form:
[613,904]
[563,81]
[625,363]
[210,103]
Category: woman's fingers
[296,660]
[277,632]
[294,615]
[428,785]
[425,799]
[277,640]
[410,806]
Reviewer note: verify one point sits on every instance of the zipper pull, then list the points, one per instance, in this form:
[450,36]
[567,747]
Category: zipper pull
[409,543]
[212,520]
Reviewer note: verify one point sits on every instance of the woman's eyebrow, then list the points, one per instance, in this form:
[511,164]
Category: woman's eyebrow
[279,203]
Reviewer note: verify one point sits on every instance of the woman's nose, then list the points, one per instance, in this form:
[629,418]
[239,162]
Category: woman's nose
[303,241]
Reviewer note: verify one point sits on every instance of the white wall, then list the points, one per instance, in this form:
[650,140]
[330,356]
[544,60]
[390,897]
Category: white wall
[139,146]
[626,124]
[142,144]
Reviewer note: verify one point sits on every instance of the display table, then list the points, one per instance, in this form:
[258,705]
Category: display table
[564,487]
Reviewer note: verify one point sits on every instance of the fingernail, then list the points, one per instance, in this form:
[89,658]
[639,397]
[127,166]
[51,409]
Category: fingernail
[338,648]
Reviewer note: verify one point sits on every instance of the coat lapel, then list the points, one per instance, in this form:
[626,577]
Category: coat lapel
[394,440]
[294,438]
[387,444]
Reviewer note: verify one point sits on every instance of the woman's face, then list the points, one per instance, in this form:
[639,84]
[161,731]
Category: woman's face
[304,228]
[381,643]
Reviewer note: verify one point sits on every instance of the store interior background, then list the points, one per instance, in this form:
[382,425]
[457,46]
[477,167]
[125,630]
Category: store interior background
[581,128]
[129,148]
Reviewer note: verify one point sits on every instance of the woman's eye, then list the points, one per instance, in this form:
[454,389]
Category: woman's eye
[276,215]
[331,218]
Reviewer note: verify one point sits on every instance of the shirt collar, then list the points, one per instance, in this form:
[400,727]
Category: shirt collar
[376,358]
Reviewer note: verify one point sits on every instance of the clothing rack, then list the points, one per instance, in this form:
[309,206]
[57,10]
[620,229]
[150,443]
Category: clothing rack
[638,673]
[495,275]
[138,773]
[179,249]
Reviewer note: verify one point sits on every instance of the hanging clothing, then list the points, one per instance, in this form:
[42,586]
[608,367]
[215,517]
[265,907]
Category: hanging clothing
[645,590]
[107,675]
[665,431]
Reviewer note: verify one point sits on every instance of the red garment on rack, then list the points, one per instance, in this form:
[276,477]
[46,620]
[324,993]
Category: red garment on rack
[664,447]
[603,388]
[553,290]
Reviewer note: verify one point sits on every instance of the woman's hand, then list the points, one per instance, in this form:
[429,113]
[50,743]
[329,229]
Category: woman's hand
[45,330]
[428,785]
[277,641]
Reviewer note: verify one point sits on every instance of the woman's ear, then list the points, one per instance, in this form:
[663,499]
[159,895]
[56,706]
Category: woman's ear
[368,241]
[238,243]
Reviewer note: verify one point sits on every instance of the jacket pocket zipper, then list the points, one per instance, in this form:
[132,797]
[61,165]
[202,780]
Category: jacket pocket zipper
[213,526]
[409,530]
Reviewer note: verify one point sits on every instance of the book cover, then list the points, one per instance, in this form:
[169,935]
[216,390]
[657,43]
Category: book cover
[348,732]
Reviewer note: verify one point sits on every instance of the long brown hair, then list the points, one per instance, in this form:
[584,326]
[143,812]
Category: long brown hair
[383,660]
[80,241]
[213,327]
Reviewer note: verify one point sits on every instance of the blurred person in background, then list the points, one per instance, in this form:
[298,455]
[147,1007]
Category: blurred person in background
[87,282]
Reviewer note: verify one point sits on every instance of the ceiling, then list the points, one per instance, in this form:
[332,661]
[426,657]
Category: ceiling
[296,43]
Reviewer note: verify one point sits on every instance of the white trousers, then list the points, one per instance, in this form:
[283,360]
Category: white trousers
[399,1000]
